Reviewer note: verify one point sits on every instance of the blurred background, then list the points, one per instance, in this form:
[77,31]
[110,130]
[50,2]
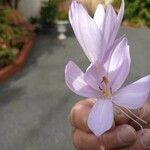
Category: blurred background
[45,15]
[137,12]
[36,42]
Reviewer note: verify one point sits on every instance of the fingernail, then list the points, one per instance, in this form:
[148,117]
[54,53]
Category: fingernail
[145,139]
[126,134]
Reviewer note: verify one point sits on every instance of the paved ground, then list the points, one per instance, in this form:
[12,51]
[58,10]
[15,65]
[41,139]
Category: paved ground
[34,104]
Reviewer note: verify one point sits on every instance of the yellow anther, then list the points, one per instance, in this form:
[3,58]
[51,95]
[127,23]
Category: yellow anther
[105,80]
[104,89]
[107,94]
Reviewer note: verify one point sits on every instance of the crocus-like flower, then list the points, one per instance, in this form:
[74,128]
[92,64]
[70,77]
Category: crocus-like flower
[102,82]
[95,35]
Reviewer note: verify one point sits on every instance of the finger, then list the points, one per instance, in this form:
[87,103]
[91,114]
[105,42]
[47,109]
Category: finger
[143,141]
[122,136]
[120,117]
[85,141]
[79,114]
[144,115]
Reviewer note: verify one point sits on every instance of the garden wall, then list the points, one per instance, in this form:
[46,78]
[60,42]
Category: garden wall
[30,8]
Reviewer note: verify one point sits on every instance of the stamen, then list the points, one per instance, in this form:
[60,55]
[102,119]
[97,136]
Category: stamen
[105,90]
[103,87]
[137,116]
[110,90]
[107,94]
[100,88]
[130,118]
[105,80]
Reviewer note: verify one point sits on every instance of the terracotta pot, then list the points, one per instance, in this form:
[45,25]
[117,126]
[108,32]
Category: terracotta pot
[10,70]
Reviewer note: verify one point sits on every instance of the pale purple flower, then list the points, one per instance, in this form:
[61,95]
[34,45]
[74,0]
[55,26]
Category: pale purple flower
[96,35]
[102,82]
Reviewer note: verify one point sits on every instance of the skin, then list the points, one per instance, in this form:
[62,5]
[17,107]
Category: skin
[124,134]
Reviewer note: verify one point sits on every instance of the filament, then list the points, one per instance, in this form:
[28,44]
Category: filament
[131,118]
[137,116]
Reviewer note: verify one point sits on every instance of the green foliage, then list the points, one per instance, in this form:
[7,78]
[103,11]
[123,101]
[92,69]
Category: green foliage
[12,38]
[62,16]
[33,20]
[1,1]
[49,11]
[63,8]
[6,57]
[12,35]
[137,11]
[54,9]
[11,3]
[3,19]
[9,31]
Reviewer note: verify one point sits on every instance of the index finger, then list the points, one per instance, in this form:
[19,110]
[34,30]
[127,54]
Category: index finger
[79,114]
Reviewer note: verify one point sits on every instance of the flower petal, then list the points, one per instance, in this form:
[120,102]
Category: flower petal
[86,31]
[112,24]
[74,80]
[119,65]
[112,48]
[94,74]
[99,16]
[120,14]
[134,95]
[108,26]
[118,21]
[101,117]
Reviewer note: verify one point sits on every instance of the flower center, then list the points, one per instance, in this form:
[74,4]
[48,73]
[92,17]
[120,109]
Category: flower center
[105,89]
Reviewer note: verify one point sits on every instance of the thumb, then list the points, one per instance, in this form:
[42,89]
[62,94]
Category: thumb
[122,136]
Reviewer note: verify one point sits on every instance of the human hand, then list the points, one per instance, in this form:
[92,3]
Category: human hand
[124,134]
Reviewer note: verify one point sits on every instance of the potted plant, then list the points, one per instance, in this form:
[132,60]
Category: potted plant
[62,19]
[48,14]
[16,39]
